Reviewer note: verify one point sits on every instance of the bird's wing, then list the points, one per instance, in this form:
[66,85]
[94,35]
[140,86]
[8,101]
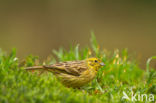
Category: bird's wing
[71,67]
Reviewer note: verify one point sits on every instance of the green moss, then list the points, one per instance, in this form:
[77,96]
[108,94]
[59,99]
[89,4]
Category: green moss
[121,73]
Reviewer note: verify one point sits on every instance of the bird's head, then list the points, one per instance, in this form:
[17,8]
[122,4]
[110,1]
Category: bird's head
[95,63]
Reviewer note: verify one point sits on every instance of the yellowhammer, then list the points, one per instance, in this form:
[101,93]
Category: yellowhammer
[73,73]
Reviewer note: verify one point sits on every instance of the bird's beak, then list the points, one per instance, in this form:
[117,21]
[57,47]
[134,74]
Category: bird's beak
[102,64]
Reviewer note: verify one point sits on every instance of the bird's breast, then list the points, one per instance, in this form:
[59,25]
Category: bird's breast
[88,75]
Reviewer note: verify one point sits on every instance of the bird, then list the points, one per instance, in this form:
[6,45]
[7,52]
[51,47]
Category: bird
[73,74]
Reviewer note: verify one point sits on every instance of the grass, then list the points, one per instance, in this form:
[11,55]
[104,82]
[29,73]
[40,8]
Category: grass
[121,73]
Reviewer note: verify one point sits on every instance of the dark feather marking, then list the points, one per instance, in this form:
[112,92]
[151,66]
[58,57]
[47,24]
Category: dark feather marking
[58,70]
[74,68]
[67,66]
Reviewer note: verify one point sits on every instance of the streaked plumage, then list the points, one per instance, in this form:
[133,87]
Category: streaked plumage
[73,73]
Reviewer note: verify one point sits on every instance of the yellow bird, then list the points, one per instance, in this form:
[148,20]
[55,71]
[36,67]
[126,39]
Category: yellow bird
[73,73]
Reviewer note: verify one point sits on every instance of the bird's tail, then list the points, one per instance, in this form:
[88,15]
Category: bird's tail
[41,69]
[35,68]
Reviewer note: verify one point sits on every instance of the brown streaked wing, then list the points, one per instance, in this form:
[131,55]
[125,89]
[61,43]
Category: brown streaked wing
[71,67]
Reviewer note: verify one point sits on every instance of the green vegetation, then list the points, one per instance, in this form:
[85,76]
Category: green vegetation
[121,73]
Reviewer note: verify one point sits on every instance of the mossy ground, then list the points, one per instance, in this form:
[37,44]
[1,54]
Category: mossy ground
[121,73]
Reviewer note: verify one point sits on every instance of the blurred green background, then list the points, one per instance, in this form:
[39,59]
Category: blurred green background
[36,27]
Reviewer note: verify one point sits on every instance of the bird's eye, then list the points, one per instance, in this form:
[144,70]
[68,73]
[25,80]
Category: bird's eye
[96,61]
